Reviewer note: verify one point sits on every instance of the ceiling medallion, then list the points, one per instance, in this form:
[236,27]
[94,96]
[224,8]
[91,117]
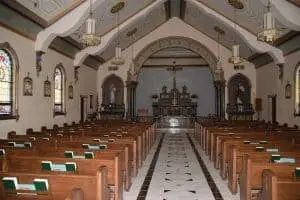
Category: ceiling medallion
[132,32]
[219,30]
[117,7]
[237,4]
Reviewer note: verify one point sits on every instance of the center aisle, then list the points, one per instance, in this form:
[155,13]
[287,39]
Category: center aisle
[177,173]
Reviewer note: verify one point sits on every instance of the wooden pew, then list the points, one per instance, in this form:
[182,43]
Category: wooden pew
[60,185]
[252,168]
[41,151]
[84,166]
[234,163]
[255,141]
[280,185]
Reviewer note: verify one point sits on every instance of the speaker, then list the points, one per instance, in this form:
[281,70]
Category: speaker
[258,104]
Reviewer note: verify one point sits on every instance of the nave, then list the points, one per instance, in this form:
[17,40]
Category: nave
[177,168]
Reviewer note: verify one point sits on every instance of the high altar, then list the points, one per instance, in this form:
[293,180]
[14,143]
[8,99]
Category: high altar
[174,102]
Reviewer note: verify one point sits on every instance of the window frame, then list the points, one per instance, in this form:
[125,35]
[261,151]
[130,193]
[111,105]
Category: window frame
[14,82]
[297,87]
[63,91]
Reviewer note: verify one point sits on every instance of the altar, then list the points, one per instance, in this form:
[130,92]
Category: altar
[174,102]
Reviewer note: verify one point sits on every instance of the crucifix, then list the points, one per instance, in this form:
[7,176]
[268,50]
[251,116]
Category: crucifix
[174,69]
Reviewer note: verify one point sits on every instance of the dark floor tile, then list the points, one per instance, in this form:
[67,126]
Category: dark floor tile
[144,189]
[213,187]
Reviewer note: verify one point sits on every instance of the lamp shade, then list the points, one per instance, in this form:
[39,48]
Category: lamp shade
[90,26]
[269,21]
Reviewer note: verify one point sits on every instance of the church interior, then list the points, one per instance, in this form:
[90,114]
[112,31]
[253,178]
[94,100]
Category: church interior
[149,99]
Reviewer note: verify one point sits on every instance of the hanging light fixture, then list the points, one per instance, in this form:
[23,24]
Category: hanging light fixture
[235,59]
[89,38]
[269,33]
[131,34]
[219,72]
[118,60]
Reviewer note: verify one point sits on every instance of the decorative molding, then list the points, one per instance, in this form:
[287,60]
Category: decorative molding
[131,32]
[113,68]
[117,7]
[163,43]
[162,66]
[219,30]
[237,4]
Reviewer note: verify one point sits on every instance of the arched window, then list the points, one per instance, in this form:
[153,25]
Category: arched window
[297,90]
[8,77]
[59,90]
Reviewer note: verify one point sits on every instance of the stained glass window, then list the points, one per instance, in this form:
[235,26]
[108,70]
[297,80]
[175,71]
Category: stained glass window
[59,90]
[297,92]
[6,83]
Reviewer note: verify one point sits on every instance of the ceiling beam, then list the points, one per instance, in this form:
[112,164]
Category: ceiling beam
[66,25]
[285,12]
[111,35]
[168,9]
[22,10]
[182,9]
[248,37]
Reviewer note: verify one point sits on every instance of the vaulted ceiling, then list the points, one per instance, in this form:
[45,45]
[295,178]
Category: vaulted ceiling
[250,18]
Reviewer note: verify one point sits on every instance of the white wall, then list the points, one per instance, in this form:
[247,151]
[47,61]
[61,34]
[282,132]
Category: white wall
[269,84]
[171,28]
[37,110]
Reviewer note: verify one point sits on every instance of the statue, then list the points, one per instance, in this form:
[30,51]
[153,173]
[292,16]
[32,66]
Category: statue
[112,90]
[132,74]
[164,89]
[184,89]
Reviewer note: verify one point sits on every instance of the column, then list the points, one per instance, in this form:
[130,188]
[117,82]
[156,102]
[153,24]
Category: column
[131,99]
[220,99]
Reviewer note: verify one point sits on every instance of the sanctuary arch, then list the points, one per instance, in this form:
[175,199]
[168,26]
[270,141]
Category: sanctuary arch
[169,42]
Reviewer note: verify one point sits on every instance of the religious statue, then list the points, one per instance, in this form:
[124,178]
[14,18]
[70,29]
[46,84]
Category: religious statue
[39,61]
[184,89]
[132,74]
[164,89]
[112,90]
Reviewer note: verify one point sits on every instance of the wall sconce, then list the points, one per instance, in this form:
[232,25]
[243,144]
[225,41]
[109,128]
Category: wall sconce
[288,90]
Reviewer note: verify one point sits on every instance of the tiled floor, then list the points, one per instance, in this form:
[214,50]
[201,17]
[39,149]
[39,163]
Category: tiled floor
[176,169]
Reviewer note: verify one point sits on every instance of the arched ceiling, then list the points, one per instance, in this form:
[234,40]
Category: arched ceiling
[250,19]
[181,56]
